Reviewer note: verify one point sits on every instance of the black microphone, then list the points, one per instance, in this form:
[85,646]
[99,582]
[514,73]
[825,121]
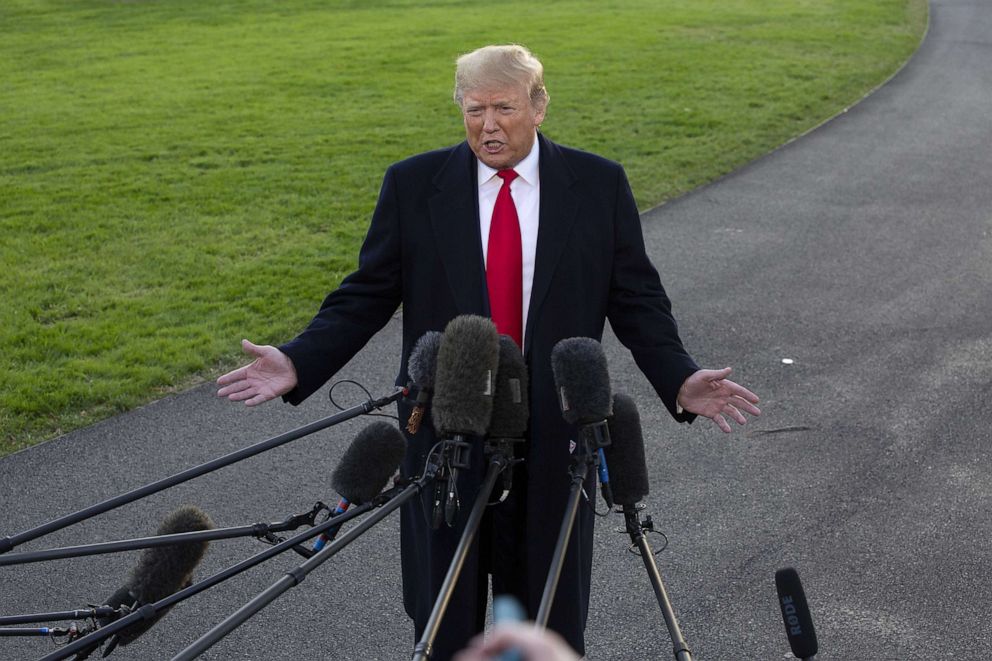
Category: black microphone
[365,469]
[421,367]
[630,486]
[583,382]
[160,572]
[795,613]
[629,474]
[467,363]
[511,408]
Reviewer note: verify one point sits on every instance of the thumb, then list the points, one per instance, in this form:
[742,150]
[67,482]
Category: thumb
[252,349]
[717,375]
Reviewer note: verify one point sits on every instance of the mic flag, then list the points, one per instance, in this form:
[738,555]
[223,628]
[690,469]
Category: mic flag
[795,613]
[626,452]
[421,367]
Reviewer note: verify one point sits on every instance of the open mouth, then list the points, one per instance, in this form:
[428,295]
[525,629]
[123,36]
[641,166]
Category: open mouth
[492,146]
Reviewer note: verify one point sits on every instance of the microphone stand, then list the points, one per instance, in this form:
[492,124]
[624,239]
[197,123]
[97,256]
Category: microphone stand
[149,611]
[594,436]
[294,577]
[260,530]
[8,543]
[499,460]
[636,531]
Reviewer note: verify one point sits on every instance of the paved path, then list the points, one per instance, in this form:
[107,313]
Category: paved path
[862,251]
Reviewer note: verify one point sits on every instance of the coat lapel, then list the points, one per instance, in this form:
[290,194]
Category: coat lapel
[557,215]
[454,211]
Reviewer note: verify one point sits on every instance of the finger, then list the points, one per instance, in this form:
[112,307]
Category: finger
[740,391]
[242,395]
[232,376]
[722,423]
[730,410]
[260,398]
[746,406]
[237,386]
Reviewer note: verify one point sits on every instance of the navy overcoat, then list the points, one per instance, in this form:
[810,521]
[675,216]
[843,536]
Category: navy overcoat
[424,251]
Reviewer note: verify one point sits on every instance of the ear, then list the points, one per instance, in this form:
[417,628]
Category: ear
[538,117]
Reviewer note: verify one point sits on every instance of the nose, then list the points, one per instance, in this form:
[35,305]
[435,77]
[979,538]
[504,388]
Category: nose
[489,124]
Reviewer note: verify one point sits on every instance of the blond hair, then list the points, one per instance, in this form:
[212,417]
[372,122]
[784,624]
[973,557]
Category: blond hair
[509,64]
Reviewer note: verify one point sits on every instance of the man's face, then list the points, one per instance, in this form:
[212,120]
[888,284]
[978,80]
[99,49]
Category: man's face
[500,124]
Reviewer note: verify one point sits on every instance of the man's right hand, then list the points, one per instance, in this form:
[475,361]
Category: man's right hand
[271,375]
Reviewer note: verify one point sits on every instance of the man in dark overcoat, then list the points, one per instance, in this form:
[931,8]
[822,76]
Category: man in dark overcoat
[437,244]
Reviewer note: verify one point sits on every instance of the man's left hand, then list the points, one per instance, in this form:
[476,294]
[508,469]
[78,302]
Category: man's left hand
[709,393]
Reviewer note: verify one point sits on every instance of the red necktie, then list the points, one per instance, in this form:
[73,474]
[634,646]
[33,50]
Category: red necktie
[504,266]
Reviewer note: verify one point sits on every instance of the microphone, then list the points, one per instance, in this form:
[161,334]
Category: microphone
[365,469]
[467,363]
[421,367]
[583,382]
[626,453]
[511,410]
[160,572]
[795,613]
[630,486]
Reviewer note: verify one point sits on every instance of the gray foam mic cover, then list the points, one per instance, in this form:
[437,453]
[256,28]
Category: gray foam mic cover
[464,382]
[369,462]
[511,408]
[582,379]
[625,454]
[164,570]
[423,360]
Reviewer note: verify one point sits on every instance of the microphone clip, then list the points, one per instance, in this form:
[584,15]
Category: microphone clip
[594,436]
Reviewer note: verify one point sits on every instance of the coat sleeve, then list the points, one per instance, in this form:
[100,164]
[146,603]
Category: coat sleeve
[640,311]
[359,308]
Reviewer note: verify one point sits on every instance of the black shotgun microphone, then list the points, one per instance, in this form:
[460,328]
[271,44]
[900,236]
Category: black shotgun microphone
[421,367]
[511,407]
[795,613]
[630,485]
[160,572]
[365,469]
[583,382]
[467,363]
[629,471]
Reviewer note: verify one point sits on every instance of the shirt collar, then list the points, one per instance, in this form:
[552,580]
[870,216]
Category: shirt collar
[526,169]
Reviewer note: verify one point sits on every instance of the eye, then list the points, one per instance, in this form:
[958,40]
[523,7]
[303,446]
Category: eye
[473,111]
[507,110]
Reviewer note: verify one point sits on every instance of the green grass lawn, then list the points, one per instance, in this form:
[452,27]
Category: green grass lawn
[176,175]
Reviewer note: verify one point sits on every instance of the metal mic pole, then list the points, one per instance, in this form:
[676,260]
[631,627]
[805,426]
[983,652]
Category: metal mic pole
[39,631]
[636,532]
[293,578]
[254,530]
[424,648]
[8,543]
[80,614]
[579,470]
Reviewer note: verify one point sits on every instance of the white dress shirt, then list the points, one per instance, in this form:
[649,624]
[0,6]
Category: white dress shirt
[526,193]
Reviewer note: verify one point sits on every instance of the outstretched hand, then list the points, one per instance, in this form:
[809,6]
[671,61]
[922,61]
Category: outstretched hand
[709,393]
[270,375]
